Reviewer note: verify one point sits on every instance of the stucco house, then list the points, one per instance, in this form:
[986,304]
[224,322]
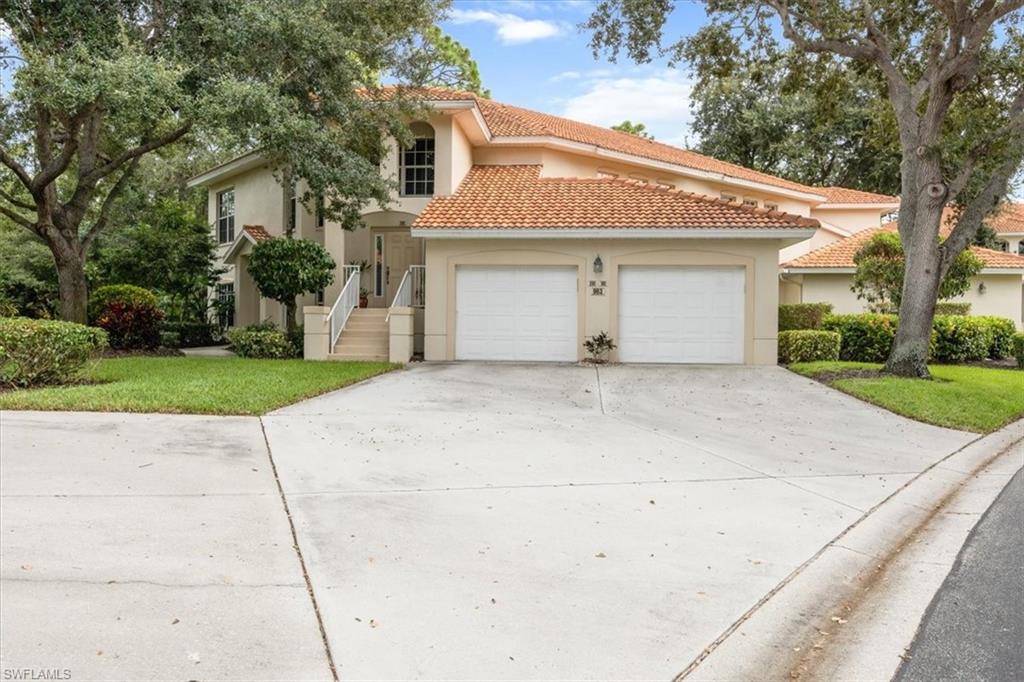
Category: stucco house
[515,235]
[1009,225]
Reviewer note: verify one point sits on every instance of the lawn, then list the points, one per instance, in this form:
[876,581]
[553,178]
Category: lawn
[978,399]
[194,385]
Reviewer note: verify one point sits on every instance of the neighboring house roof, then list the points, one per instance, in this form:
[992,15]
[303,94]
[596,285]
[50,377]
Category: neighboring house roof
[1009,220]
[845,195]
[516,196]
[249,235]
[257,233]
[839,254]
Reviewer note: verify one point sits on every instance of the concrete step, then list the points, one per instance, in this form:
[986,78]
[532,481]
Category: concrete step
[361,346]
[370,312]
[368,357]
[365,333]
[365,323]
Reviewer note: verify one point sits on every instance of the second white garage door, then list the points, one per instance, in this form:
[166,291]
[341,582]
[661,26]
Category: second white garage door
[681,314]
[515,313]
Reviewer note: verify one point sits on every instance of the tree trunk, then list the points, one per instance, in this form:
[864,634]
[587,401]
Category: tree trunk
[289,317]
[74,292]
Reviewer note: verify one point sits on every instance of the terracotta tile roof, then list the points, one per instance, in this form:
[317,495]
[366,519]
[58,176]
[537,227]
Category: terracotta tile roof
[845,195]
[516,196]
[257,232]
[1009,220]
[839,254]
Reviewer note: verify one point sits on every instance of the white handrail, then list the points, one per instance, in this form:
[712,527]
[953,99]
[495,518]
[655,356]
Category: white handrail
[342,309]
[403,297]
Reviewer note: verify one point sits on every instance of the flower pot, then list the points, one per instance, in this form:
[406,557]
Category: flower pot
[364,301]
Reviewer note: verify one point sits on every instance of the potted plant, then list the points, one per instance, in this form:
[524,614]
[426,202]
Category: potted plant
[364,298]
[599,346]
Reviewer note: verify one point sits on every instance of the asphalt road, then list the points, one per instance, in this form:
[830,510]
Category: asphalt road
[974,627]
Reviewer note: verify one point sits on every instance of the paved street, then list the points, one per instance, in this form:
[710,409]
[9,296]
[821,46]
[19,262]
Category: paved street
[974,627]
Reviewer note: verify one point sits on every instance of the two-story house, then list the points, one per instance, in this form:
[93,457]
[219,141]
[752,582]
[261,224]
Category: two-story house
[515,235]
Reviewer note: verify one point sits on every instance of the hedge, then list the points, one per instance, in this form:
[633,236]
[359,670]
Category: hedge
[952,308]
[802,315]
[36,352]
[128,313]
[190,334]
[866,337]
[127,294]
[959,338]
[1001,331]
[261,343]
[808,345]
[1018,349]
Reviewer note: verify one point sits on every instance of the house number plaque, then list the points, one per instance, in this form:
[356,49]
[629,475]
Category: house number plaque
[597,287]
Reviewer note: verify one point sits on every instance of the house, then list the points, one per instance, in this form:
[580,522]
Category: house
[1009,225]
[826,274]
[515,235]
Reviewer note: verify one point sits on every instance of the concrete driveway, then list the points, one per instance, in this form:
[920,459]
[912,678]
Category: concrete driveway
[560,522]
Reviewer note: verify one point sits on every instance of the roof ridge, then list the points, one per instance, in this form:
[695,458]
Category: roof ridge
[837,244]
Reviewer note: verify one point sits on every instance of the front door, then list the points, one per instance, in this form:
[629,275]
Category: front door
[401,250]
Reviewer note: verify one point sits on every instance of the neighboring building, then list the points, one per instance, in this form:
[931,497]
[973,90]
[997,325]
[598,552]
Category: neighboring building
[825,275]
[529,232]
[1009,225]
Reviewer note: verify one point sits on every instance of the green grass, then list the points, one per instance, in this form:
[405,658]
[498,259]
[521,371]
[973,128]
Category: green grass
[978,399]
[194,385]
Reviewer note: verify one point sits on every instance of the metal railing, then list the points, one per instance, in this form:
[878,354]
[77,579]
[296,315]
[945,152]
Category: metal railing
[347,301]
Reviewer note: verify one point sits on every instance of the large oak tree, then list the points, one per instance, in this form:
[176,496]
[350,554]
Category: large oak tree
[97,86]
[954,79]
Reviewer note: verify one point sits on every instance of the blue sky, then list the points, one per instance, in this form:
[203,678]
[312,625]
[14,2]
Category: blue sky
[532,54]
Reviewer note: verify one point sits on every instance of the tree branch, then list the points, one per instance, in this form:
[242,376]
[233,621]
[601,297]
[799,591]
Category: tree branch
[118,161]
[14,201]
[20,219]
[108,204]
[17,168]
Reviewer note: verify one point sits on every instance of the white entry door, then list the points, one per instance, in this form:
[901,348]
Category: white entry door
[515,313]
[681,314]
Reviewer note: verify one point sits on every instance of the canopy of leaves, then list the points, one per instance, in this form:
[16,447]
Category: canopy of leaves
[638,129]
[880,271]
[451,64]
[28,279]
[286,268]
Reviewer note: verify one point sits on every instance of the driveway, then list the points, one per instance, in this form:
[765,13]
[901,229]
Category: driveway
[507,522]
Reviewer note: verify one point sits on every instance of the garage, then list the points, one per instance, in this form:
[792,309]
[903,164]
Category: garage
[681,314]
[524,313]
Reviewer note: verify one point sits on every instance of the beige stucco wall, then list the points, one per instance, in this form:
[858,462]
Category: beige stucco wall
[600,313]
[850,219]
[1002,295]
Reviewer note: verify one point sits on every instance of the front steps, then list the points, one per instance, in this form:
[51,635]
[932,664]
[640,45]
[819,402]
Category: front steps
[365,336]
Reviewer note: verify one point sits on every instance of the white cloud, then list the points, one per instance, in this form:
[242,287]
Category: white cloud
[660,100]
[566,76]
[512,29]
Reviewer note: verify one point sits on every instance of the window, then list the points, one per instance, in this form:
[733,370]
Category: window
[319,213]
[226,304]
[417,163]
[749,203]
[1004,246]
[771,206]
[379,276]
[292,206]
[1020,248]
[606,173]
[729,197]
[226,216]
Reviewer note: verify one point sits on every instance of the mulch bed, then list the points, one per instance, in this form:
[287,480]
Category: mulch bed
[142,353]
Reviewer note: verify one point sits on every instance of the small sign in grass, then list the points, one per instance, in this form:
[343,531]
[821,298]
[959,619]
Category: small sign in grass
[194,385]
[979,399]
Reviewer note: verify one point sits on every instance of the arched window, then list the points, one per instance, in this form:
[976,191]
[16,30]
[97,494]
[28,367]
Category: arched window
[416,164]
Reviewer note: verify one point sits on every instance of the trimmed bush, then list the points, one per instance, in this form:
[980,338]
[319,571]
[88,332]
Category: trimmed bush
[1018,349]
[129,314]
[192,334]
[802,315]
[808,345]
[952,308]
[959,338]
[1001,331]
[37,352]
[261,343]
[866,337]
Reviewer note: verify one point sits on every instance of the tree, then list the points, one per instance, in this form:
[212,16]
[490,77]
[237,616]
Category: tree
[285,268]
[954,80]
[987,237]
[27,277]
[881,266]
[452,65]
[638,129]
[98,86]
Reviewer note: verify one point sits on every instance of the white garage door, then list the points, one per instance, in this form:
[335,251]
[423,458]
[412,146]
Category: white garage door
[681,314]
[515,313]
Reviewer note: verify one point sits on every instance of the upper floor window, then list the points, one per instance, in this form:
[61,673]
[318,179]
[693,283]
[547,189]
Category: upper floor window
[770,206]
[1020,248]
[319,213]
[749,203]
[729,197]
[1004,246]
[416,163]
[226,216]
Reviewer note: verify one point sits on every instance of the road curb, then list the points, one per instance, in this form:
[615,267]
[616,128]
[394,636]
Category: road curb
[809,625]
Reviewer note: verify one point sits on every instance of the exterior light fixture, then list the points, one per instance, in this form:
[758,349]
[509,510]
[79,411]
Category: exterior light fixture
[982,288]
[598,264]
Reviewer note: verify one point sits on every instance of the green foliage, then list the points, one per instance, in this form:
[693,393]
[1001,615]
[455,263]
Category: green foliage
[960,339]
[1018,349]
[191,334]
[37,352]
[599,346]
[28,278]
[808,345]
[261,343]
[802,315]
[286,268]
[987,238]
[866,337]
[880,271]
[638,129]
[1000,331]
[451,64]
[952,308]
[129,314]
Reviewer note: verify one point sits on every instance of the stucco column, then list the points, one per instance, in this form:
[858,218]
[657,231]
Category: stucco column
[334,243]
[316,342]
[401,330]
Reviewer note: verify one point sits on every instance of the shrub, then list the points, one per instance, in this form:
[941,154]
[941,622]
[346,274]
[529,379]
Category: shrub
[952,308]
[802,315]
[599,346]
[129,314]
[1018,349]
[193,334]
[1001,331]
[170,339]
[866,337]
[959,338]
[35,352]
[261,343]
[808,345]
